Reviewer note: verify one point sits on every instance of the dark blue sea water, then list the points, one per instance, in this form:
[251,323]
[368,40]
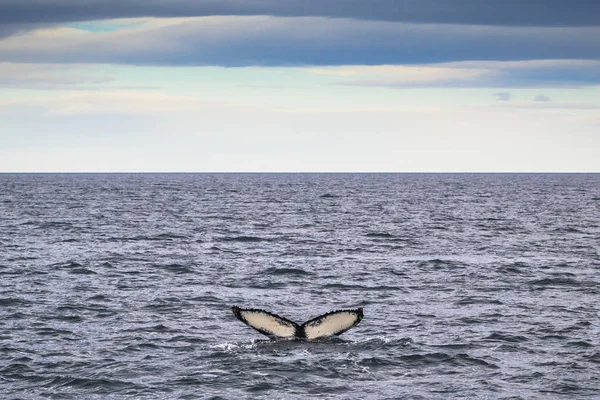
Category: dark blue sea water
[474,286]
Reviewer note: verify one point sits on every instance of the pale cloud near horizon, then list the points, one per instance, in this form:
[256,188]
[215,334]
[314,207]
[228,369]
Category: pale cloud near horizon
[484,74]
[531,73]
[401,75]
[115,103]
[176,133]
[503,96]
[51,76]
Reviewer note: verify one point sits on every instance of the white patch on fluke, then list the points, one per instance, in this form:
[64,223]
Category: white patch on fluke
[331,324]
[267,323]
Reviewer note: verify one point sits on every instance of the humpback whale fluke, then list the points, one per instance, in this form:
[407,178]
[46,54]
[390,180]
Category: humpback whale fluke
[331,324]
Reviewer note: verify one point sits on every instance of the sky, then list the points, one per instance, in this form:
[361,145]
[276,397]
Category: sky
[299,86]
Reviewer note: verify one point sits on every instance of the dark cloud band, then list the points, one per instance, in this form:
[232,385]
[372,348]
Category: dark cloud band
[270,41]
[470,12]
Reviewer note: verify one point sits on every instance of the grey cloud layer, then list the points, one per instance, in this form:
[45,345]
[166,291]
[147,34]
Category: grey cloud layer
[471,12]
[270,41]
[9,29]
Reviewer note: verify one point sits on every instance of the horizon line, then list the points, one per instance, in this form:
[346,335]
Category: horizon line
[298,172]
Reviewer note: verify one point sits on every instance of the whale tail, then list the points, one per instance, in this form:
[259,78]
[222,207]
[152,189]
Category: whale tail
[331,324]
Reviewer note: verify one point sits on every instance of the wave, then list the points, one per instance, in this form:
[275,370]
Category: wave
[244,239]
[66,381]
[54,224]
[560,282]
[174,268]
[477,300]
[377,288]
[286,271]
[382,235]
[13,301]
[424,360]
[162,237]
[505,337]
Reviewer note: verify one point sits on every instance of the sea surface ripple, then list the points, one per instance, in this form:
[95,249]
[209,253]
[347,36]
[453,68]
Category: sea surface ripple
[475,286]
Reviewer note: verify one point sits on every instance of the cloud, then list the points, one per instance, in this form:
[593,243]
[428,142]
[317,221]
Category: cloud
[11,28]
[551,106]
[503,96]
[219,138]
[541,97]
[270,41]
[469,12]
[466,74]
[108,103]
[92,105]
[404,76]
[119,103]
[51,76]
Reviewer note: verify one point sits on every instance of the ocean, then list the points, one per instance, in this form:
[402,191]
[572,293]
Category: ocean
[474,286]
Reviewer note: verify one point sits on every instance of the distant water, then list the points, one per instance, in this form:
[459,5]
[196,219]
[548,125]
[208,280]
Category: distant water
[474,286]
